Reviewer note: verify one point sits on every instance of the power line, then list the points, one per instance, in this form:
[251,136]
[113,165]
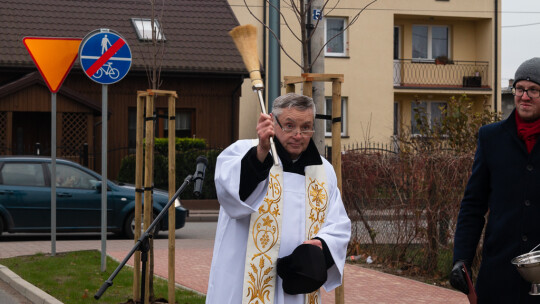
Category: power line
[520,25]
[415,10]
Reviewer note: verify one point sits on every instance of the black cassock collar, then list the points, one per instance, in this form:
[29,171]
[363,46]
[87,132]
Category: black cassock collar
[310,157]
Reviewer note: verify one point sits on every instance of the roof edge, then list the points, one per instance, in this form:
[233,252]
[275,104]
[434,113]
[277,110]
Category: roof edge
[35,78]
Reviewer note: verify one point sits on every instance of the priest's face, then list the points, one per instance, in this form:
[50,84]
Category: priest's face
[527,100]
[294,129]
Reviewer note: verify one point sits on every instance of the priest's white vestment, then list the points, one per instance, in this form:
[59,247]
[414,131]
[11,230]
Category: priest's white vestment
[227,271]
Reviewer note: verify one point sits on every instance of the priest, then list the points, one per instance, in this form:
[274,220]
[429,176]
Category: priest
[282,231]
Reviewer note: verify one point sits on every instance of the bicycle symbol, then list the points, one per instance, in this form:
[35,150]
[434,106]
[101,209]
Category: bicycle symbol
[109,71]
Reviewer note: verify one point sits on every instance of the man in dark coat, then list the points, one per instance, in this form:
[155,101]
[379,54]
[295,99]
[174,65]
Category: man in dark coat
[505,181]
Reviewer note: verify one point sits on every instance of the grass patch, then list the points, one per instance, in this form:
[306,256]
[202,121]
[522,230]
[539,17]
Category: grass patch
[75,277]
[407,262]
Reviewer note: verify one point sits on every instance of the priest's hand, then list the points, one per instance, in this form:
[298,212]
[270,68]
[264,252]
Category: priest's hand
[314,242]
[265,130]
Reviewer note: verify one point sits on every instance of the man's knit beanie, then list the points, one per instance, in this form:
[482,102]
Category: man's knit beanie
[528,70]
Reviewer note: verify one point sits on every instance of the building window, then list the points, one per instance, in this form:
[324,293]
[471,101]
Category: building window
[396,119]
[328,111]
[432,110]
[143,28]
[132,129]
[337,45]
[182,124]
[430,41]
[397,42]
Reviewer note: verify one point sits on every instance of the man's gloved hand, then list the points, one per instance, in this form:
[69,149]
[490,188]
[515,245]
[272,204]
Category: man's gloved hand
[457,277]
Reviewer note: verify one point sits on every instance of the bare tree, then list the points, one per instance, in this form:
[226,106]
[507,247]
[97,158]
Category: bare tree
[300,8]
[151,50]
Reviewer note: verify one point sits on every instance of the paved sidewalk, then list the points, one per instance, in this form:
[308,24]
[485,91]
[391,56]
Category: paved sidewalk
[362,285]
[194,254]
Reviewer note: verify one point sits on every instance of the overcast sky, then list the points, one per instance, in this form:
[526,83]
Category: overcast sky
[520,35]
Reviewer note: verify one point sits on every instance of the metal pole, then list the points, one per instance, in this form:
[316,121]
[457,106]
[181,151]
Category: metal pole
[274,61]
[53,174]
[317,66]
[104,112]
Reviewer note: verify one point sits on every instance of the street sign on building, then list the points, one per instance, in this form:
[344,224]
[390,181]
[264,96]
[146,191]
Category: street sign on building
[105,56]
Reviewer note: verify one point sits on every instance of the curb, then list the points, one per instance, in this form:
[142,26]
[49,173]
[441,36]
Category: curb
[202,216]
[29,291]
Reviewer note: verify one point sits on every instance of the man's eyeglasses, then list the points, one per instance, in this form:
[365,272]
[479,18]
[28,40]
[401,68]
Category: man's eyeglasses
[532,93]
[305,131]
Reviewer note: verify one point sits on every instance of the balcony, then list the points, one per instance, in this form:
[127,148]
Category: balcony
[427,74]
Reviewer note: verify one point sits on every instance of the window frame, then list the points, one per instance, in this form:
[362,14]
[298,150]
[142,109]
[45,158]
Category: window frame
[414,130]
[344,35]
[178,111]
[344,104]
[397,118]
[139,26]
[429,55]
[161,126]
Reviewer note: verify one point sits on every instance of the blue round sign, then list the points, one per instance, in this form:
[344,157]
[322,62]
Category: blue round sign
[105,56]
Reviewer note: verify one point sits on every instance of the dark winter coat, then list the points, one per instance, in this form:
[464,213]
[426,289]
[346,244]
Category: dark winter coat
[505,181]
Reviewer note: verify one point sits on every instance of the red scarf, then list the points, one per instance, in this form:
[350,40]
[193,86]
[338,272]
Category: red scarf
[528,131]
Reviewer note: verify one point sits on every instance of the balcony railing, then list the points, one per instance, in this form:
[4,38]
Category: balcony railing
[418,73]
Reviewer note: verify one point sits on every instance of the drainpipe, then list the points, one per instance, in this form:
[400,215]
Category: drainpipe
[264,42]
[274,62]
[496,65]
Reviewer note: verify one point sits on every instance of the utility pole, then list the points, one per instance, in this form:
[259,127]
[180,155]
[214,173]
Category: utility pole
[316,44]
[274,61]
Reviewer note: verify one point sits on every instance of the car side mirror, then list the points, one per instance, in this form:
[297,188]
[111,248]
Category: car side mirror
[98,186]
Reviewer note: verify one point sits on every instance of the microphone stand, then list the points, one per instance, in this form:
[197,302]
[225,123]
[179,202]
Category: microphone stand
[143,245]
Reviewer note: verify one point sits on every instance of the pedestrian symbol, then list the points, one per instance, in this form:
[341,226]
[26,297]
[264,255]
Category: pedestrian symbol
[105,43]
[105,56]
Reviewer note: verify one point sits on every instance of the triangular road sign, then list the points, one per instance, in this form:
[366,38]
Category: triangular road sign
[53,57]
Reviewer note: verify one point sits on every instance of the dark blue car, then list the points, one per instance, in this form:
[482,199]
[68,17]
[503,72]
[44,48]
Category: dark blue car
[25,199]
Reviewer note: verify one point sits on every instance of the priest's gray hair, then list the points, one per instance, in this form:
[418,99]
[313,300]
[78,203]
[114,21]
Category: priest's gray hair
[292,100]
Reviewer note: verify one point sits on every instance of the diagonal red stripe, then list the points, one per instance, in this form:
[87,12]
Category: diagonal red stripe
[105,57]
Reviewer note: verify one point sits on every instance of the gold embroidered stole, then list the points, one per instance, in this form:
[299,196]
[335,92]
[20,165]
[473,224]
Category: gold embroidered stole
[265,233]
[316,208]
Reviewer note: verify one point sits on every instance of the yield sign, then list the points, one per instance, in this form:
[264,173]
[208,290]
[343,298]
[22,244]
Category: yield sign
[53,57]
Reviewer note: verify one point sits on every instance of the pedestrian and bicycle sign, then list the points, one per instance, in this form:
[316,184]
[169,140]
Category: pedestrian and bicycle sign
[105,56]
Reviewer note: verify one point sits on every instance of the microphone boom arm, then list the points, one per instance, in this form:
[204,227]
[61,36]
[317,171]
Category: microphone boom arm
[142,242]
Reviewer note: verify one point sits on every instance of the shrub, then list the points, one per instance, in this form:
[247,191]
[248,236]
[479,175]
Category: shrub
[188,150]
[404,205]
[161,145]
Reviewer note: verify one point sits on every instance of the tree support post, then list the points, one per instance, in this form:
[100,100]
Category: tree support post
[148,97]
[336,79]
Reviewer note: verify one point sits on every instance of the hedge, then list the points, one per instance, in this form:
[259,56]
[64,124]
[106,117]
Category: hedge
[161,145]
[188,149]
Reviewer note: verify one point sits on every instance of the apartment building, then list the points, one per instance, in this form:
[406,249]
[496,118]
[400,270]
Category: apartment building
[397,56]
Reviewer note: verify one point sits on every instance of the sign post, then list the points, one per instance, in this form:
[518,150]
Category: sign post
[105,58]
[54,58]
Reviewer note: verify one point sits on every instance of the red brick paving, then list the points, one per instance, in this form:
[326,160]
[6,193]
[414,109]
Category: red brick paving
[362,285]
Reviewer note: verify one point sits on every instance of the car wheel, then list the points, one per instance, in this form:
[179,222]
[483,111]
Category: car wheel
[1,225]
[129,226]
